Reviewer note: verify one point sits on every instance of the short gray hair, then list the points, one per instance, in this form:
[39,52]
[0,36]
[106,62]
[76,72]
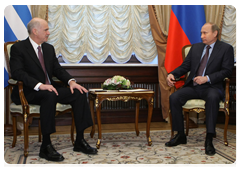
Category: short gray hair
[32,24]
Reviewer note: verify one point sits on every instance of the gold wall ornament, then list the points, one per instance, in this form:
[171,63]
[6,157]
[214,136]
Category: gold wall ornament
[124,98]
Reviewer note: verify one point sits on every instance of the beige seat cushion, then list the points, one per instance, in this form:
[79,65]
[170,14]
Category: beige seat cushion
[198,103]
[36,108]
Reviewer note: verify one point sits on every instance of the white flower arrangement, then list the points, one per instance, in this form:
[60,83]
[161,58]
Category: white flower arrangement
[116,82]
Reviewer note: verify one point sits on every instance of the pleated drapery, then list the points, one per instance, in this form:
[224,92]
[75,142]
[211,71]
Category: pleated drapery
[97,31]
[229,27]
[161,43]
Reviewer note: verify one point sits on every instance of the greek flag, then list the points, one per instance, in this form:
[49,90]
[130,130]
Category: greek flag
[16,18]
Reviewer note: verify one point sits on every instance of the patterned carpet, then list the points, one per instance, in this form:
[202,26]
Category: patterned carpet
[127,148]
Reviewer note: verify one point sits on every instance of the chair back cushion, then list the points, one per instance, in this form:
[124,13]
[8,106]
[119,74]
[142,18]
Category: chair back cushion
[7,48]
[185,51]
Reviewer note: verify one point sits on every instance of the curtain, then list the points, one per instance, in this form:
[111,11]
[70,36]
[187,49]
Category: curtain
[40,11]
[161,43]
[163,17]
[229,27]
[214,13]
[98,31]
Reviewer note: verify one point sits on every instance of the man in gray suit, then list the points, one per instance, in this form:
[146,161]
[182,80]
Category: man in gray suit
[209,63]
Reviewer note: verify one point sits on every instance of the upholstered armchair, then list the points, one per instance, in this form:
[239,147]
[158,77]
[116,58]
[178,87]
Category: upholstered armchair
[28,111]
[198,105]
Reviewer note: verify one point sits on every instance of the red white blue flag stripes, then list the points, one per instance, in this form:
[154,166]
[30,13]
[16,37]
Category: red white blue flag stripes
[185,26]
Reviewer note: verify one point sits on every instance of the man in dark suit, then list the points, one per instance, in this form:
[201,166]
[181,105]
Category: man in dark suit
[204,82]
[26,61]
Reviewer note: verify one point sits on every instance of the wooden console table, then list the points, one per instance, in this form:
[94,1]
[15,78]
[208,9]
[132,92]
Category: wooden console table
[97,96]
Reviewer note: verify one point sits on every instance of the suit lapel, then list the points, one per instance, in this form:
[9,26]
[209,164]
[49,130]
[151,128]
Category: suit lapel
[214,53]
[32,53]
[198,57]
[45,56]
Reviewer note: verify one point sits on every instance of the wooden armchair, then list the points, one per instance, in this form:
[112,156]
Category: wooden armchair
[28,111]
[198,105]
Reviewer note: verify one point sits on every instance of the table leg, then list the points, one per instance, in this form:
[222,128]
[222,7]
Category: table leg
[91,103]
[98,110]
[136,117]
[150,109]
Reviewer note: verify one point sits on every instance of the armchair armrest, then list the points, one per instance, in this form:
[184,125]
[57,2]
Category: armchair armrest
[173,89]
[12,82]
[23,99]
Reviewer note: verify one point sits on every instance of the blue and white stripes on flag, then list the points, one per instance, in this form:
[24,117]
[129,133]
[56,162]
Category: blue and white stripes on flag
[16,18]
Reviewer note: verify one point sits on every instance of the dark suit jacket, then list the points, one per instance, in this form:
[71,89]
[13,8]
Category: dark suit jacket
[25,66]
[219,66]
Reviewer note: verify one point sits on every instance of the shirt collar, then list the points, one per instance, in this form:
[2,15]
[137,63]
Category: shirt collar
[34,44]
[211,45]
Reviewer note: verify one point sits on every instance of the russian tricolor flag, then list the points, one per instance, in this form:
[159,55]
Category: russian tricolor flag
[185,26]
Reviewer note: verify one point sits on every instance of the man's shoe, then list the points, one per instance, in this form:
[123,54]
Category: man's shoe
[84,147]
[209,148]
[178,139]
[50,154]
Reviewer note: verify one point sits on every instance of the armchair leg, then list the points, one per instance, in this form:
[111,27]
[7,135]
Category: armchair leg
[39,131]
[225,128]
[186,114]
[26,138]
[14,131]
[72,128]
[170,118]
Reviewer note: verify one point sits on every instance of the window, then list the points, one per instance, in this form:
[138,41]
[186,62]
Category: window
[95,33]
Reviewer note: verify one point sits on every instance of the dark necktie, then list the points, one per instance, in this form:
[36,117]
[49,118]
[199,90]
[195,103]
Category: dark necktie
[202,64]
[41,59]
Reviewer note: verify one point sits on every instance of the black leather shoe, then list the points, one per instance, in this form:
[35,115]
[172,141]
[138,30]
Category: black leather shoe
[50,154]
[84,147]
[209,148]
[177,140]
